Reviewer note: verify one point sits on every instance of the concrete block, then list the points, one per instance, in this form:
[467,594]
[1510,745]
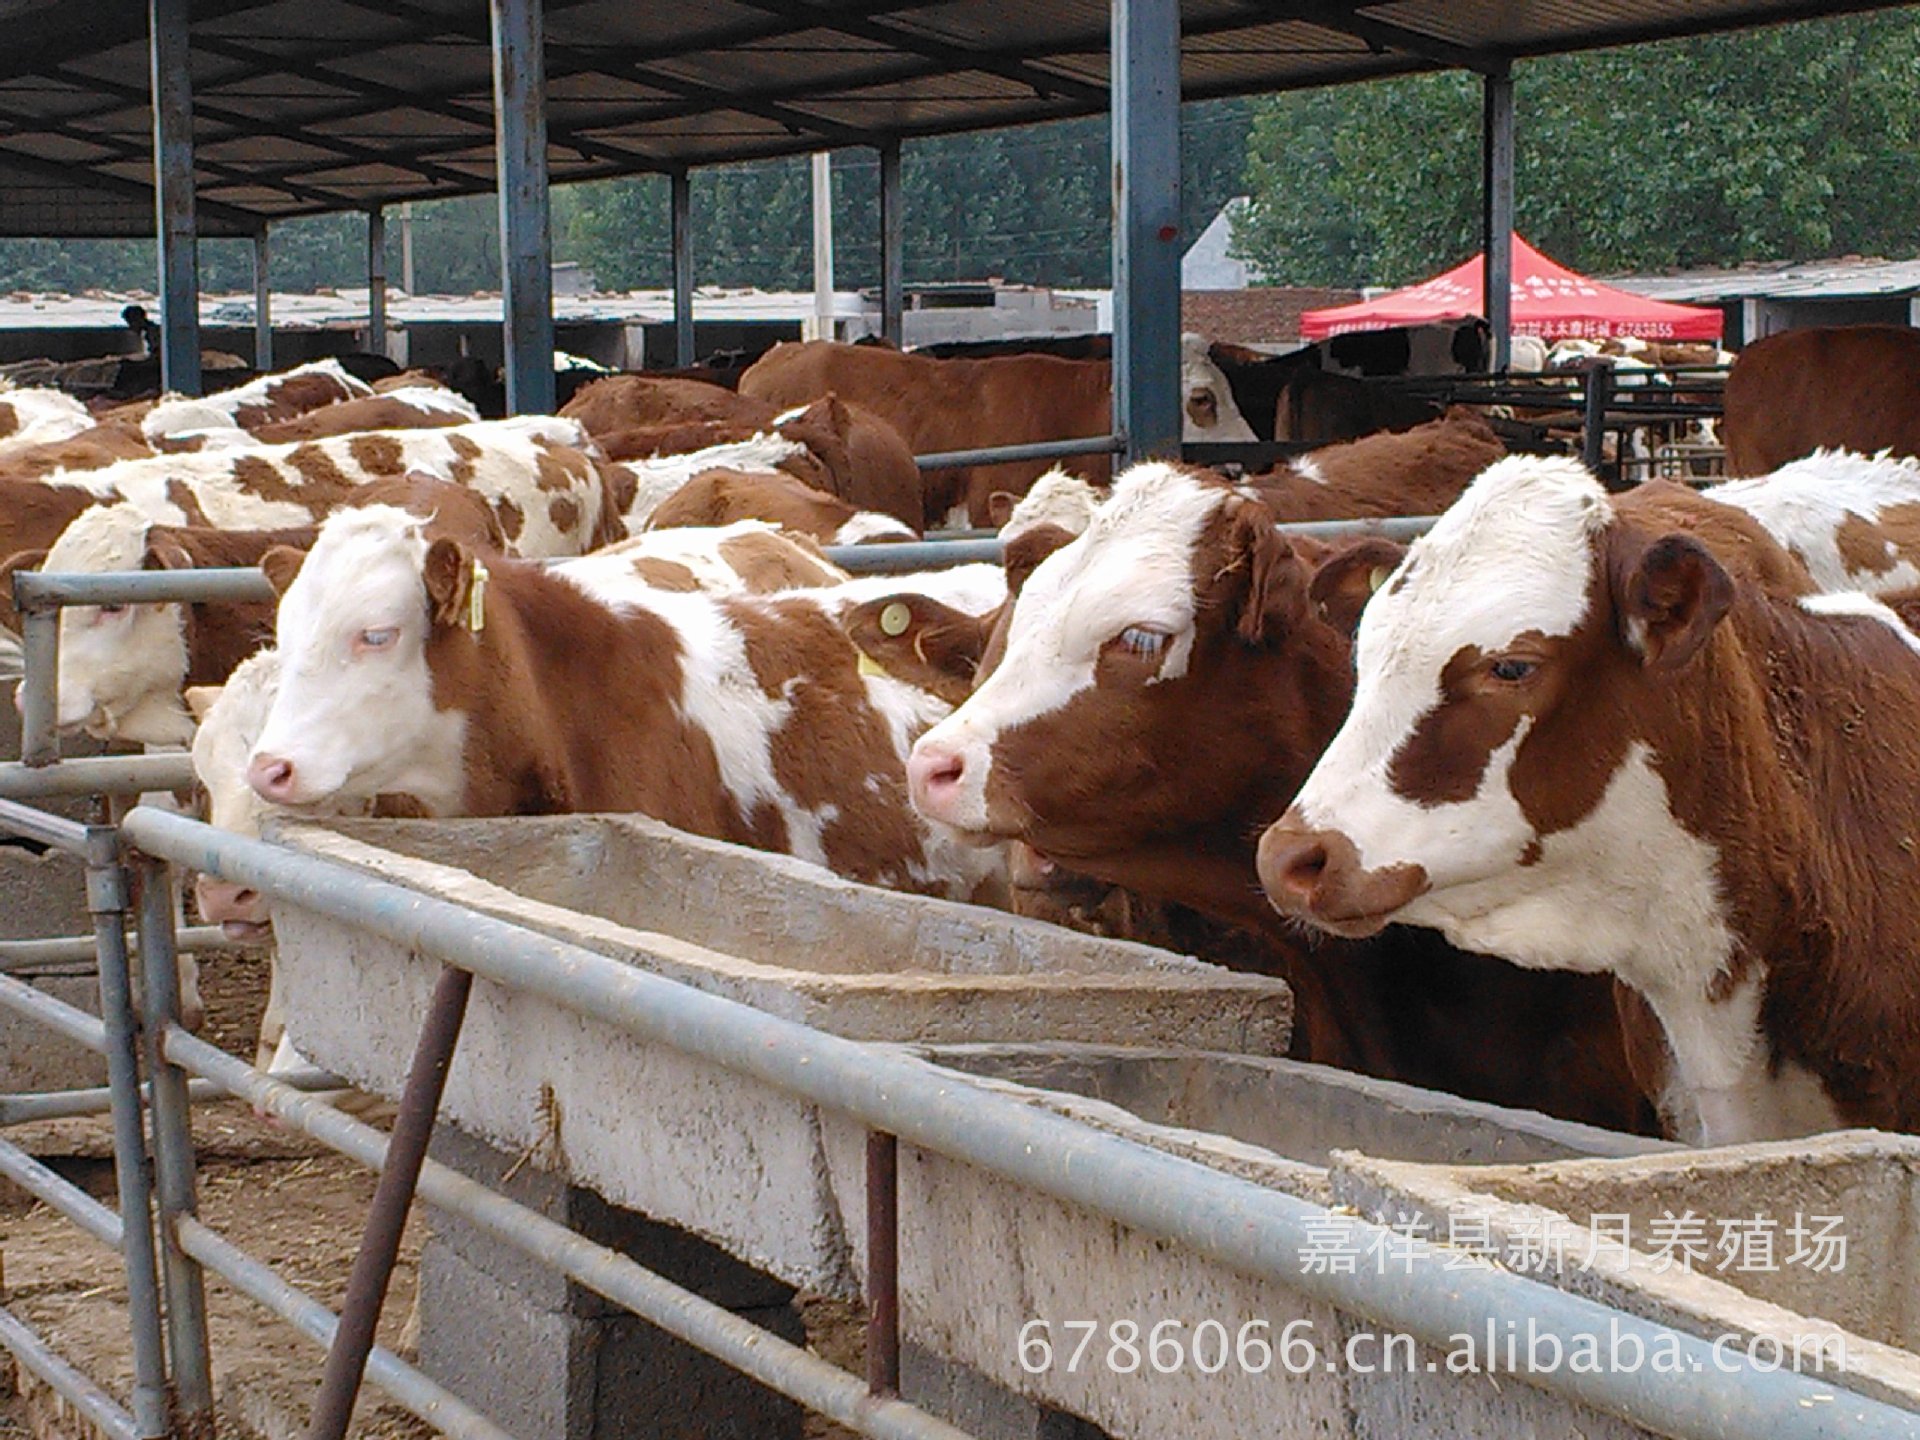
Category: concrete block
[976,1405]
[552,1361]
[43,896]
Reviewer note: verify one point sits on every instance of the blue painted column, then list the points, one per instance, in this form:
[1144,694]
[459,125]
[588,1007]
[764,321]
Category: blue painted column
[1496,199]
[682,201]
[172,81]
[893,288]
[377,280]
[262,304]
[1146,226]
[526,229]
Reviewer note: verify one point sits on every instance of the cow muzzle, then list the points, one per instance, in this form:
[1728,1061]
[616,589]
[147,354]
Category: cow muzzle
[1317,876]
[240,912]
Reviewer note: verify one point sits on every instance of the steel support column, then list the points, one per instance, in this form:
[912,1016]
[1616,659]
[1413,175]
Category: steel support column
[172,82]
[262,304]
[377,280]
[823,244]
[681,184]
[1146,227]
[893,247]
[526,231]
[1496,212]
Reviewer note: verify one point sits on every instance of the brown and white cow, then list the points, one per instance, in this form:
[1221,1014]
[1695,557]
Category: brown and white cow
[123,667]
[33,417]
[1164,684]
[1852,520]
[1586,742]
[941,405]
[720,497]
[260,401]
[625,402]
[417,407]
[1855,387]
[95,447]
[409,665]
[539,473]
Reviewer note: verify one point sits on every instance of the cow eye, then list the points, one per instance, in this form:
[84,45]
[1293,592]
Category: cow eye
[379,639]
[1510,669]
[1142,642]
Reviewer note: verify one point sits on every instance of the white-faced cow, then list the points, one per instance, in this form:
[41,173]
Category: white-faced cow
[409,665]
[1585,739]
[1163,684]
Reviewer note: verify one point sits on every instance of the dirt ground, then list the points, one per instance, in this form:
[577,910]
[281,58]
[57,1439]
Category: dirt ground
[276,1194]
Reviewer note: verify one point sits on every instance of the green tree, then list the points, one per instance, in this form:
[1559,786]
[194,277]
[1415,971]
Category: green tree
[1786,142]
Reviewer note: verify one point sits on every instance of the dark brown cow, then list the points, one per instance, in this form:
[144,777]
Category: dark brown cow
[1162,686]
[941,405]
[1589,739]
[1413,472]
[1855,387]
[625,402]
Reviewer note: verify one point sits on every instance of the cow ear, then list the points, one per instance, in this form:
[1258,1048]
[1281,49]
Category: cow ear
[280,564]
[12,565]
[1022,554]
[1347,579]
[200,699]
[1000,507]
[921,642]
[165,553]
[1669,596]
[1275,598]
[447,572]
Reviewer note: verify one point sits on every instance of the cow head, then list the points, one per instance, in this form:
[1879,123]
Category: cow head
[230,720]
[121,666]
[1497,775]
[355,711]
[1206,399]
[1144,675]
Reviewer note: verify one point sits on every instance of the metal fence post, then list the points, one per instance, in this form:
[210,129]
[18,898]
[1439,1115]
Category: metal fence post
[1593,433]
[387,1216]
[173,1157]
[39,695]
[107,900]
[883,1264]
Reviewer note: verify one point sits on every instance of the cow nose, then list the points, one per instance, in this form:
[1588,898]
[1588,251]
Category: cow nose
[1291,867]
[223,903]
[934,776]
[272,778]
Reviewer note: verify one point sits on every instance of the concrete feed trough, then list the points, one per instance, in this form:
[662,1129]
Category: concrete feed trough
[675,1137]
[1807,1248]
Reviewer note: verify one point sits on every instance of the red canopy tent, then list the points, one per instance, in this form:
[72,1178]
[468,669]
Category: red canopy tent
[1549,300]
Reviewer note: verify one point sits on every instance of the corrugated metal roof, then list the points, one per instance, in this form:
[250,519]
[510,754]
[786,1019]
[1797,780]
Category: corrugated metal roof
[1847,278]
[303,107]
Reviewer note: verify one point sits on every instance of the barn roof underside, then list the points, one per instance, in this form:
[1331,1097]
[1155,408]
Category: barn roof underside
[304,107]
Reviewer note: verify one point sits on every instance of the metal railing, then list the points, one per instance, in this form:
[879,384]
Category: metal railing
[1255,1230]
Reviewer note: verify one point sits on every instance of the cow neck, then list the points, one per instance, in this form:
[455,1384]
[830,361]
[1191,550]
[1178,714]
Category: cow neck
[1811,803]
[570,705]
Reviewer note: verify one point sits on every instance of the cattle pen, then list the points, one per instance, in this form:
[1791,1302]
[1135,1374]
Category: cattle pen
[891,1099]
[961,1182]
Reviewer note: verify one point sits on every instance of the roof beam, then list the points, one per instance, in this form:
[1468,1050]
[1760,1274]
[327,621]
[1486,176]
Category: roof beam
[120,185]
[1044,83]
[101,27]
[1380,35]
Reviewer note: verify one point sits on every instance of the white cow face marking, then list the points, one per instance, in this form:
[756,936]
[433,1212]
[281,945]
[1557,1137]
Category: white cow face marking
[1206,398]
[1126,585]
[355,715]
[121,666]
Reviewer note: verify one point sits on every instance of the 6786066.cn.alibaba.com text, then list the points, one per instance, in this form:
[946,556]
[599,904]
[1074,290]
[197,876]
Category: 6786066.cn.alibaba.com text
[1209,1346]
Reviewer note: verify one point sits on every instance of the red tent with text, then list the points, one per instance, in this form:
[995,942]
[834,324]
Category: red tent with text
[1549,300]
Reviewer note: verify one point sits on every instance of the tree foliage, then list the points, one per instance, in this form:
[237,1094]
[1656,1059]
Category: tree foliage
[1789,142]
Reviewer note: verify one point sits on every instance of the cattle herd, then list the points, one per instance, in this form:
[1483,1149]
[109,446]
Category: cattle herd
[1603,804]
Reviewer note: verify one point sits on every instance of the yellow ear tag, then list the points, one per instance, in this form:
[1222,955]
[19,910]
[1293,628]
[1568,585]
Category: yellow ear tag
[477,599]
[870,666]
[1377,577]
[895,619]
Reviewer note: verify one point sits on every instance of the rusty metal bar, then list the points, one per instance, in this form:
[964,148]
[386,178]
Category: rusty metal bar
[883,1264]
[373,1266]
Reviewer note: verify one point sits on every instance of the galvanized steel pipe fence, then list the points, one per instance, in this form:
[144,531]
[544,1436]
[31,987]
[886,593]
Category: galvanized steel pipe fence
[1255,1230]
